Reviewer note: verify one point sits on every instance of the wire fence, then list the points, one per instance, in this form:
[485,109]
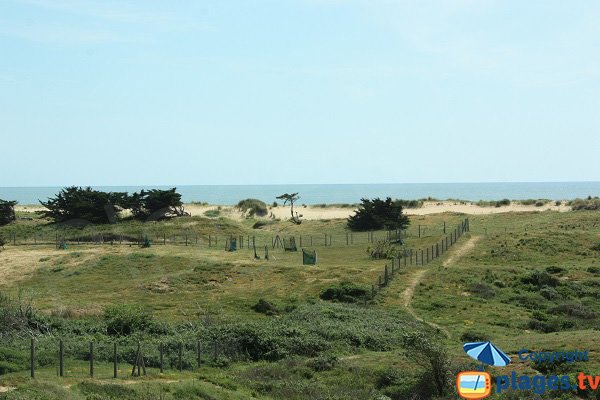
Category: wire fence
[74,358]
[419,256]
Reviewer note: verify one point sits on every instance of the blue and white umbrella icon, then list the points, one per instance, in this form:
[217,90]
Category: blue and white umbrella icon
[487,353]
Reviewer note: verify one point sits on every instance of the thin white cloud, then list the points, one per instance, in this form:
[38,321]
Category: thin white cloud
[453,32]
[55,33]
[94,22]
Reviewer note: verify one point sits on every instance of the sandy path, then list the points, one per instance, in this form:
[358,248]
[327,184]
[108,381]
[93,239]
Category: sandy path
[461,251]
[409,292]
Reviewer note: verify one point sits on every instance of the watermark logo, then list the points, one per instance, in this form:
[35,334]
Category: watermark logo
[474,385]
[478,384]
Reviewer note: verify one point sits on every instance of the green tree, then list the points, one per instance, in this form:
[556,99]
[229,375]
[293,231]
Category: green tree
[7,211]
[85,205]
[378,214]
[291,198]
[156,204]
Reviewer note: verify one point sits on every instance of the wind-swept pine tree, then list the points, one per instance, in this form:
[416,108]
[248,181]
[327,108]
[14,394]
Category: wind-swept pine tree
[378,214]
[7,211]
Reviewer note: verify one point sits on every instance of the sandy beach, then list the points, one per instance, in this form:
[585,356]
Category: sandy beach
[317,212]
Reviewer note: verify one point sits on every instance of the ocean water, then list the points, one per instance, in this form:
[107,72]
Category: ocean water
[343,193]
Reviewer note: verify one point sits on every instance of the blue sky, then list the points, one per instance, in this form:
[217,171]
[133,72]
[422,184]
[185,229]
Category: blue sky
[299,91]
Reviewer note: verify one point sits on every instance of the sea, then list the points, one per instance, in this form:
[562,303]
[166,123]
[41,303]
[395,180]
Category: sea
[311,194]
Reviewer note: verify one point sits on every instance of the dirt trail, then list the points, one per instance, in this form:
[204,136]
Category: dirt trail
[408,294]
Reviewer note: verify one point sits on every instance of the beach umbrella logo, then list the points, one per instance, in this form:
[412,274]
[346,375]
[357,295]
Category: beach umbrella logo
[475,385]
[487,353]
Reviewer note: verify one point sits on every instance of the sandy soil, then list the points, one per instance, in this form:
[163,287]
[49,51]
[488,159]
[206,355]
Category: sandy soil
[313,213]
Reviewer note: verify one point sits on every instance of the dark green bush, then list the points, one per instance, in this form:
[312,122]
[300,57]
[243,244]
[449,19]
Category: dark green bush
[7,367]
[470,336]
[549,293]
[7,212]
[125,319]
[409,203]
[323,363]
[555,269]
[593,270]
[586,204]
[345,292]
[264,307]
[576,310]
[540,279]
[389,377]
[482,290]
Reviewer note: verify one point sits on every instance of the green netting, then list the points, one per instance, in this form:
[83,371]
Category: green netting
[309,258]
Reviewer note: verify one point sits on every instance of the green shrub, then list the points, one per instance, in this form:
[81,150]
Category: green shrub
[596,247]
[382,249]
[540,279]
[555,270]
[576,310]
[470,336]
[409,203]
[549,293]
[389,377]
[346,292]
[593,270]
[586,204]
[213,213]
[253,207]
[482,290]
[264,307]
[125,319]
[323,363]
[7,367]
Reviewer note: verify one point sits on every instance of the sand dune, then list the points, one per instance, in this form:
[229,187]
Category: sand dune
[315,212]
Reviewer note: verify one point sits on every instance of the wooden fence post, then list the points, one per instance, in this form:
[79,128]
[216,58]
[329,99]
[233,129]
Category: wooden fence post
[386,277]
[198,352]
[61,358]
[180,356]
[161,351]
[115,360]
[91,359]
[32,359]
